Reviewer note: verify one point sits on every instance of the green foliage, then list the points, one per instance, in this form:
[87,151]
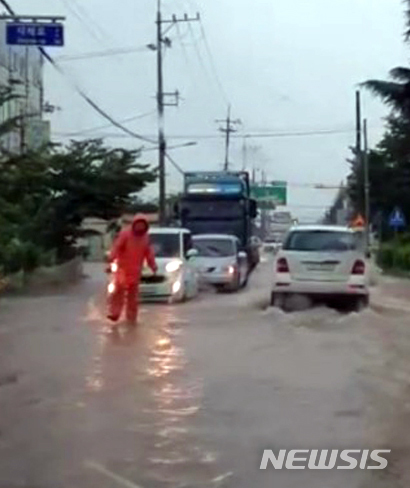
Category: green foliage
[389,162]
[46,195]
[385,256]
[395,255]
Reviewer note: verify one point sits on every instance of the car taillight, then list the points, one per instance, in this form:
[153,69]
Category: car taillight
[282,266]
[359,268]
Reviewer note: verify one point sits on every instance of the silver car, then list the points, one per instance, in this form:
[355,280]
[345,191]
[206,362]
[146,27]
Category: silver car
[220,262]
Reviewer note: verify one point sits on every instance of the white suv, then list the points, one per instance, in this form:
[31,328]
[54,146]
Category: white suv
[322,263]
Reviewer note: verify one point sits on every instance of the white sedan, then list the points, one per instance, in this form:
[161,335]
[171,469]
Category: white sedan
[322,263]
[177,278]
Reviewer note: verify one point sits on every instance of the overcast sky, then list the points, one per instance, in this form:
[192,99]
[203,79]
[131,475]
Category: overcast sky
[284,65]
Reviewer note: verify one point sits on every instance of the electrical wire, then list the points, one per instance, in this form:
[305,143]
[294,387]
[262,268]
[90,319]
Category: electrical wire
[175,164]
[193,78]
[72,7]
[101,35]
[183,47]
[99,54]
[123,121]
[212,63]
[313,133]
[93,104]
[201,59]
[83,95]
[105,34]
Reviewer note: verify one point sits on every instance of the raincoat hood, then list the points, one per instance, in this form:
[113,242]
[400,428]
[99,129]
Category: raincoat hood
[140,218]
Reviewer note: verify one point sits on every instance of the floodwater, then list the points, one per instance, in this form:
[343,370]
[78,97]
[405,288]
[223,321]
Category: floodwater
[195,394]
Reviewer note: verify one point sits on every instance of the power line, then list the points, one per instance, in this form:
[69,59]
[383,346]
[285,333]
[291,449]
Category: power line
[72,7]
[199,55]
[123,121]
[184,49]
[103,33]
[93,104]
[324,132]
[100,54]
[212,62]
[174,164]
[83,95]
[210,56]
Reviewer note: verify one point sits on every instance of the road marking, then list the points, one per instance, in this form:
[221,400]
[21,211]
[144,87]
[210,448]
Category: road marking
[109,474]
[223,477]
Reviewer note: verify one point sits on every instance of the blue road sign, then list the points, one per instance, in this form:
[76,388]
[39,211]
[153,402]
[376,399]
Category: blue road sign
[397,219]
[35,34]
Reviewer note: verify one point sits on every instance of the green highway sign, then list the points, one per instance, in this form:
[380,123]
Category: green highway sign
[275,192]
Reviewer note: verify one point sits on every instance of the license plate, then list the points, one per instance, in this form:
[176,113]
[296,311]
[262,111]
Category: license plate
[320,267]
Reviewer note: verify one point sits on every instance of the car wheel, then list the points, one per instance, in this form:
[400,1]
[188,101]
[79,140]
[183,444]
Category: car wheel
[360,304]
[236,286]
[278,300]
[184,294]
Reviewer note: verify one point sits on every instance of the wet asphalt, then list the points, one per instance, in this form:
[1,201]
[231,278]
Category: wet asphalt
[193,396]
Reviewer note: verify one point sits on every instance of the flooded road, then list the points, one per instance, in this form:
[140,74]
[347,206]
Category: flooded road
[194,395]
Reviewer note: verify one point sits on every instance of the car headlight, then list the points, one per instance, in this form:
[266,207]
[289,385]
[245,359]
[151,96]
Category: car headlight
[114,267]
[173,266]
[176,287]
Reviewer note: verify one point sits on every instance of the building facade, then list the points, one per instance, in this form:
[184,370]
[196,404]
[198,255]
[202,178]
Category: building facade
[21,69]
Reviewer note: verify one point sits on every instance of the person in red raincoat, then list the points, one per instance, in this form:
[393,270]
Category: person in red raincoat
[131,248]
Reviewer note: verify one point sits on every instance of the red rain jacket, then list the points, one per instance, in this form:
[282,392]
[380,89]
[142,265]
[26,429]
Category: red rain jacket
[130,251]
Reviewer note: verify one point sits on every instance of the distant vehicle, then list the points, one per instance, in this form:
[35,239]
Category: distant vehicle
[220,262]
[273,242]
[323,263]
[283,218]
[177,278]
[219,202]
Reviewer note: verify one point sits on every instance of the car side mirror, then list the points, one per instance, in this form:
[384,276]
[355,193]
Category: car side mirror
[242,255]
[192,253]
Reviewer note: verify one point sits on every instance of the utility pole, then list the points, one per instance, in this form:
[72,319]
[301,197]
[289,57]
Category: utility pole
[244,154]
[161,104]
[366,182]
[228,130]
[26,118]
[161,134]
[358,126]
[264,208]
